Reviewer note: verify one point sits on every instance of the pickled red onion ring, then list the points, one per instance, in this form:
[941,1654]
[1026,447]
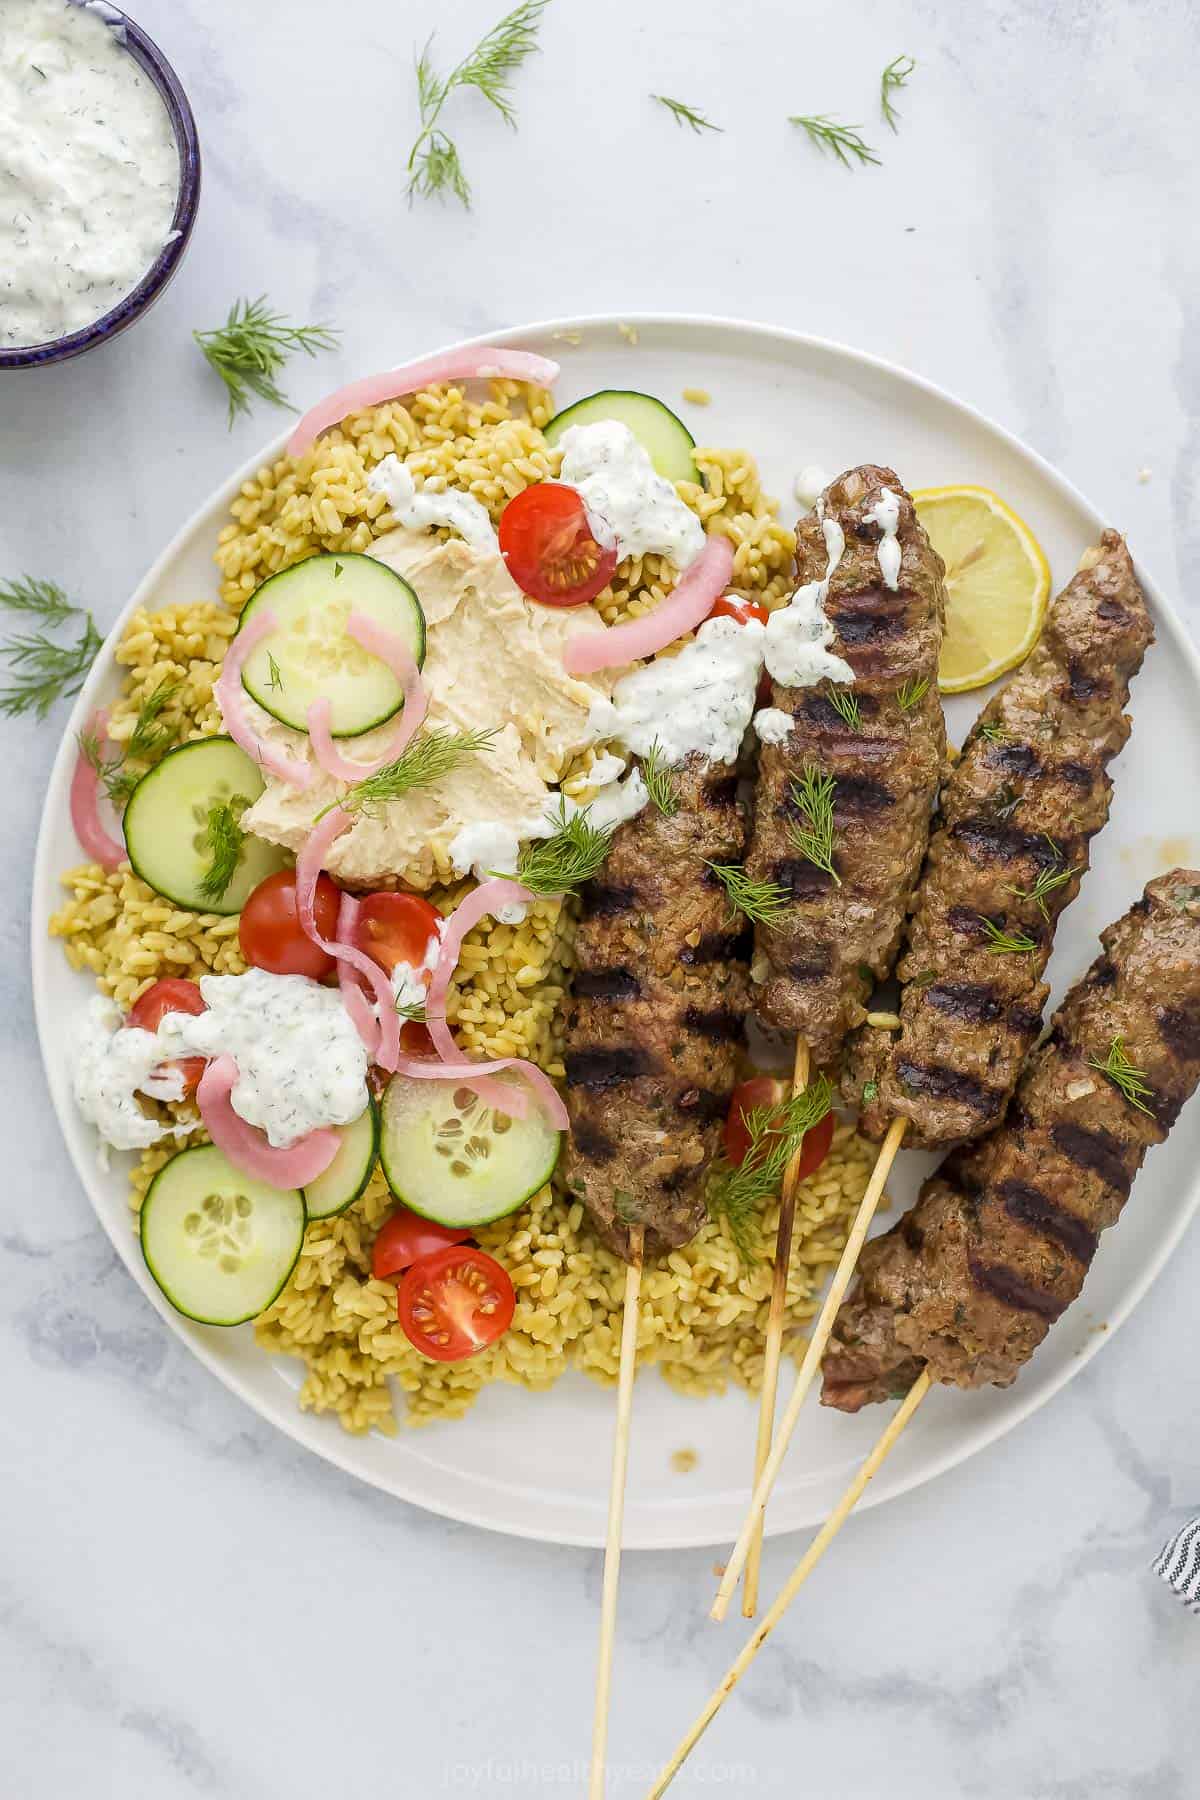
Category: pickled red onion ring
[94,836]
[232,701]
[247,1147]
[309,864]
[353,997]
[391,649]
[486,899]
[481,363]
[686,606]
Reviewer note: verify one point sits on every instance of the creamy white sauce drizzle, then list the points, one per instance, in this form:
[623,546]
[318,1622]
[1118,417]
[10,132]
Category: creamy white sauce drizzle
[630,506]
[89,172]
[772,725]
[697,703]
[422,509]
[886,514]
[301,1063]
[810,484]
[799,634]
[409,983]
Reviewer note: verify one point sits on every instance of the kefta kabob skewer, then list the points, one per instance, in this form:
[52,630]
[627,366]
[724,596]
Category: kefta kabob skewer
[996,1248]
[1008,850]
[657,1015]
[853,749]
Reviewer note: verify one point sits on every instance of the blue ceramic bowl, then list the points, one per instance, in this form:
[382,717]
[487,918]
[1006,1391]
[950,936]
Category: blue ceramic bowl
[139,299]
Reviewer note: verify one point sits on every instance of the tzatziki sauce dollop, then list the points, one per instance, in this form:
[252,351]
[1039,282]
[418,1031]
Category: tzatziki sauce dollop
[697,703]
[631,507]
[301,1062]
[89,171]
[423,508]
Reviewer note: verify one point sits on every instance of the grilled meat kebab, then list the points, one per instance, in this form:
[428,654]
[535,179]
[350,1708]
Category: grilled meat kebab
[1009,848]
[1000,1239]
[657,1015]
[840,935]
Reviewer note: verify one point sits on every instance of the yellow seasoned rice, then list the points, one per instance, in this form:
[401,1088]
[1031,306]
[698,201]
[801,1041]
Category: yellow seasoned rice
[702,1314]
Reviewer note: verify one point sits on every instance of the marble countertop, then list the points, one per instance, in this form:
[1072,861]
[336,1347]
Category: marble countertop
[189,1604]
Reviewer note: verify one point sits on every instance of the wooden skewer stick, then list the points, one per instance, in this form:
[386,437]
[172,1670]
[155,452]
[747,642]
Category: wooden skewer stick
[798,1577]
[811,1363]
[773,1347]
[616,1510]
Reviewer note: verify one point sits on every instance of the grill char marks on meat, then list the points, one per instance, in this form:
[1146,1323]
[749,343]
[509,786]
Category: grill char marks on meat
[1000,1239]
[827,953]
[1029,793]
[656,1021]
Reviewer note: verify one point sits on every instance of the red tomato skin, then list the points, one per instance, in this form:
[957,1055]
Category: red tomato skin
[765,1090]
[548,546]
[455,1303]
[393,928]
[171,994]
[731,606]
[272,936]
[404,1238]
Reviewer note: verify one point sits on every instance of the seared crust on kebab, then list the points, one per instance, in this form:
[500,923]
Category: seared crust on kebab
[657,1016]
[999,1242]
[1009,848]
[840,936]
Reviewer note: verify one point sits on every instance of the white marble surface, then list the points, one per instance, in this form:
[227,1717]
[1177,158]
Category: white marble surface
[189,1604]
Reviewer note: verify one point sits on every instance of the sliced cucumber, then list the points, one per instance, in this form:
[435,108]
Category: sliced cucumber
[313,655]
[219,1244]
[450,1158]
[166,825]
[350,1170]
[665,439]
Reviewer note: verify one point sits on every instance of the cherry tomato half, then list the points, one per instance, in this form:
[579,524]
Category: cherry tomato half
[548,545]
[731,606]
[404,1238]
[148,1011]
[395,928]
[764,1090]
[270,931]
[455,1302]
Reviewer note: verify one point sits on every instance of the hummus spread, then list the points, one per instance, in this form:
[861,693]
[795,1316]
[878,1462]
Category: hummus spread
[493,661]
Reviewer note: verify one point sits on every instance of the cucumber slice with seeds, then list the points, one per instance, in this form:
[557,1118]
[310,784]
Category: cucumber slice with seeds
[349,1172]
[312,656]
[665,439]
[450,1158]
[219,1244]
[166,825]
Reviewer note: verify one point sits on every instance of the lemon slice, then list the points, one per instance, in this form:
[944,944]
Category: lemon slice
[997,583]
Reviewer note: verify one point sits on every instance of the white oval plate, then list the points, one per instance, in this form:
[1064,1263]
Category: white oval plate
[537,1465]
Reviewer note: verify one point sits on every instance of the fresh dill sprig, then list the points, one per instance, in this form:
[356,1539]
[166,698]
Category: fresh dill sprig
[813,794]
[276,680]
[558,864]
[411,1010]
[912,692]
[890,82]
[1125,1075]
[433,162]
[1046,881]
[686,115]
[1006,943]
[738,1195]
[223,838]
[762,902]
[995,734]
[252,346]
[148,736]
[43,671]
[845,704]
[429,756]
[660,781]
[843,141]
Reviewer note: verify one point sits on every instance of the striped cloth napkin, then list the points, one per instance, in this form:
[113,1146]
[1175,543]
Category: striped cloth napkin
[1179,1564]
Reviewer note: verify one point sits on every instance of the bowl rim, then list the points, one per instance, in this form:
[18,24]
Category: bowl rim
[142,47]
